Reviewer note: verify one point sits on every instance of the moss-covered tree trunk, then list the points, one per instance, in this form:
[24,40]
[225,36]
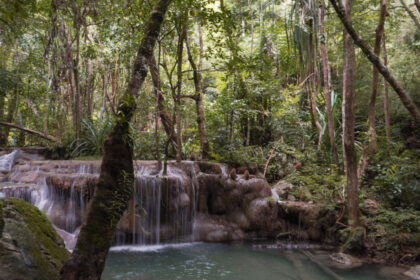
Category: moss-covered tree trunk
[114,188]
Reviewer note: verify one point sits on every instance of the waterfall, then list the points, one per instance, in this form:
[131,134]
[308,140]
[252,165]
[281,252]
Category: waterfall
[7,161]
[162,208]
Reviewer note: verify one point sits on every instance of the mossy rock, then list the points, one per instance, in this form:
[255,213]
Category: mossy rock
[30,248]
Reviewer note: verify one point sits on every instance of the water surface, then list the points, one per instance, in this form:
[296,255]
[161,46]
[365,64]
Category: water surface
[209,261]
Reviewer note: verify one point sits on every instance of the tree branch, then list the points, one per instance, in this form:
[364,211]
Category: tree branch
[30,131]
[405,98]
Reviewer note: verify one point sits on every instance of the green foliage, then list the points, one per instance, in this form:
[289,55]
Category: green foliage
[93,138]
[145,144]
[396,176]
[395,229]
[319,181]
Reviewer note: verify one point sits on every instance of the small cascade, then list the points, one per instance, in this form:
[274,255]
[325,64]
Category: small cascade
[163,208]
[7,161]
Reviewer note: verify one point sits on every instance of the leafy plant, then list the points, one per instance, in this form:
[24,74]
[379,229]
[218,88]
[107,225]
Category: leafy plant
[92,140]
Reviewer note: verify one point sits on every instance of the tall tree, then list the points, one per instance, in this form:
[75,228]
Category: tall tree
[198,97]
[386,94]
[163,114]
[350,156]
[371,145]
[374,59]
[115,184]
[327,80]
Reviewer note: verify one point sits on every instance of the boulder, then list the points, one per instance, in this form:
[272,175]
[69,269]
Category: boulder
[413,272]
[283,188]
[30,248]
[344,261]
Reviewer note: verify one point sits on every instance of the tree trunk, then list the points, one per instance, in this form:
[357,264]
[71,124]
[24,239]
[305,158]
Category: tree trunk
[177,105]
[371,145]
[312,86]
[327,81]
[163,114]
[417,3]
[405,98]
[386,96]
[349,77]
[11,112]
[411,14]
[3,141]
[115,184]
[201,121]
[30,131]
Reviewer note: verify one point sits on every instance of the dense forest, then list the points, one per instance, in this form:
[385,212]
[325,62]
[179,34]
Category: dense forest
[321,94]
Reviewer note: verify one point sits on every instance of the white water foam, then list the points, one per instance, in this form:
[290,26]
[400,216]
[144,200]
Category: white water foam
[7,161]
[151,248]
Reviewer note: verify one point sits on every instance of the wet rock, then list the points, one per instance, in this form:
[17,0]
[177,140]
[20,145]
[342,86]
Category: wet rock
[370,206]
[307,221]
[413,272]
[216,229]
[209,168]
[344,261]
[30,248]
[283,188]
[261,212]
[27,177]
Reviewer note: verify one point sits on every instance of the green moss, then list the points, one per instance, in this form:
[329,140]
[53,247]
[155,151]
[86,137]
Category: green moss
[38,240]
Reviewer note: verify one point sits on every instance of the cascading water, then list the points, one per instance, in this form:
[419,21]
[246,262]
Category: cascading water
[162,209]
[7,161]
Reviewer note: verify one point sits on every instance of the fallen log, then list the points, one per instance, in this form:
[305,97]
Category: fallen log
[30,131]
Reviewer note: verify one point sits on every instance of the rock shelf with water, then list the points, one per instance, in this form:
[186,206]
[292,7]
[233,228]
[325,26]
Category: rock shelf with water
[194,201]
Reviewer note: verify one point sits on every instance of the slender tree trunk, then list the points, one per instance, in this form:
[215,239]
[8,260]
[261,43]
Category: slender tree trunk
[11,111]
[248,131]
[386,95]
[163,114]
[3,141]
[411,14]
[90,89]
[105,92]
[348,122]
[327,81]
[157,91]
[201,121]
[115,183]
[312,86]
[371,145]
[405,98]
[177,108]
[75,69]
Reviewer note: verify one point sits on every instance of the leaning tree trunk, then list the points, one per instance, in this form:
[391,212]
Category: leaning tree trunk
[417,3]
[374,59]
[114,187]
[411,14]
[349,120]
[371,145]
[327,81]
